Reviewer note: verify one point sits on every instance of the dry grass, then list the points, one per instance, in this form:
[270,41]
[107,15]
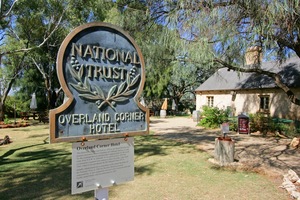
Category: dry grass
[164,169]
[172,170]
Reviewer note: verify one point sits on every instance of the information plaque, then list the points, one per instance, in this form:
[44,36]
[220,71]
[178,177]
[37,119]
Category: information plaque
[102,163]
[101,71]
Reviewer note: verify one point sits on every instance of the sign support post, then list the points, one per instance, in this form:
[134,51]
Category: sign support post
[101,194]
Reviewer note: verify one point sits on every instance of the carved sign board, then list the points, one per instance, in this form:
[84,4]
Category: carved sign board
[102,72]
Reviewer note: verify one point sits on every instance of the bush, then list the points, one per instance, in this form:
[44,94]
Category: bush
[213,117]
[264,124]
[12,105]
[259,122]
[233,124]
[6,120]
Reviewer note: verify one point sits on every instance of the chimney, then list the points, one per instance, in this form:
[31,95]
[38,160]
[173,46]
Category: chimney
[253,55]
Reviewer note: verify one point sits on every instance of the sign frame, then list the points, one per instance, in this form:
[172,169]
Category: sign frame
[54,132]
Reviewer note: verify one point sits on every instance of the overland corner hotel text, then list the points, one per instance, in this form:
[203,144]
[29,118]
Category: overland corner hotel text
[102,72]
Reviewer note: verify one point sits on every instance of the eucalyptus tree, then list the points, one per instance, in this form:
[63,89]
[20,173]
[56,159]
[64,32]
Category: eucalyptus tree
[184,79]
[7,76]
[14,64]
[44,15]
[35,21]
[15,47]
[166,76]
[218,33]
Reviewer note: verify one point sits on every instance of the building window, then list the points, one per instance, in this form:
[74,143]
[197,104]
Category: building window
[210,101]
[264,103]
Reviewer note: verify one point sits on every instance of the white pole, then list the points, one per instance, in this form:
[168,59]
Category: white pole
[101,194]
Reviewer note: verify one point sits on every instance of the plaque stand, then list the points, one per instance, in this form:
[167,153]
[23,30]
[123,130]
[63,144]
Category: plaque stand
[101,194]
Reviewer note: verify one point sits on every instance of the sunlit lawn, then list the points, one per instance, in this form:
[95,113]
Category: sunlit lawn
[30,168]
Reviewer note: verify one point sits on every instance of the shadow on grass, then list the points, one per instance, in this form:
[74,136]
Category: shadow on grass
[39,171]
[21,129]
[151,145]
[36,172]
[145,169]
[12,151]
[190,135]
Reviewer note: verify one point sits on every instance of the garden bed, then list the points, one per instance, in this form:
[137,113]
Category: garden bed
[14,125]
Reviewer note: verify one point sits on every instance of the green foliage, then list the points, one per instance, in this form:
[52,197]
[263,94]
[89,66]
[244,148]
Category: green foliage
[259,122]
[12,104]
[167,76]
[286,129]
[186,104]
[6,120]
[233,124]
[31,82]
[265,124]
[225,30]
[213,117]
[198,33]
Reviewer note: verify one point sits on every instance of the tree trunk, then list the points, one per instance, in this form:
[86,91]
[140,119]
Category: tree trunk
[49,91]
[224,150]
[1,111]
[4,96]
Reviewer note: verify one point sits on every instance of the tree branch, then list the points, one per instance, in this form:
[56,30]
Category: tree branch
[12,80]
[41,44]
[9,10]
[42,71]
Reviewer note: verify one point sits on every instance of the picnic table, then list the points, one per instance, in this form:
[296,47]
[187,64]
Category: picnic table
[27,115]
[41,116]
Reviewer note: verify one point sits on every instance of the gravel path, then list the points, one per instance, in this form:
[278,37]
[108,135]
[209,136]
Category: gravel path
[268,155]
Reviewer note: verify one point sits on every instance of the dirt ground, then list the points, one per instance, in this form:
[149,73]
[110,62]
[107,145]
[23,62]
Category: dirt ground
[270,156]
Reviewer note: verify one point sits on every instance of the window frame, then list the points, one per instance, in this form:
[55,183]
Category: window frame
[264,103]
[210,101]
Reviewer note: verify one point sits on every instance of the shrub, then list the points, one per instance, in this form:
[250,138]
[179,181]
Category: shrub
[213,117]
[233,124]
[286,128]
[259,122]
[264,124]
[6,120]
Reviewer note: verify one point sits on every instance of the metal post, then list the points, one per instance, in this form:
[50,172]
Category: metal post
[101,194]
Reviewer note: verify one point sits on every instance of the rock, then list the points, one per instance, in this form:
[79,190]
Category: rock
[295,142]
[295,195]
[288,185]
[292,176]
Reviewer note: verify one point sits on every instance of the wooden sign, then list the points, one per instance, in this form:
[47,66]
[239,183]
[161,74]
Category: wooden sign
[102,72]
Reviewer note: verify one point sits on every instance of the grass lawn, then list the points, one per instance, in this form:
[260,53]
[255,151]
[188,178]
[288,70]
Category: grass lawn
[30,168]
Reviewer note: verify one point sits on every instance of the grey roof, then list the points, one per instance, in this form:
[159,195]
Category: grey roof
[224,79]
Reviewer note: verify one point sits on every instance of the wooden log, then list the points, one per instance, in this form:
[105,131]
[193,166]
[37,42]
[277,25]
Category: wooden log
[224,150]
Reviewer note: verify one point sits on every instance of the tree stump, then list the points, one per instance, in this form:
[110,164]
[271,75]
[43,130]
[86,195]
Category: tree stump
[224,150]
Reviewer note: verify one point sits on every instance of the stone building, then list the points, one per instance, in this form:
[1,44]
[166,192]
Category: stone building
[253,93]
